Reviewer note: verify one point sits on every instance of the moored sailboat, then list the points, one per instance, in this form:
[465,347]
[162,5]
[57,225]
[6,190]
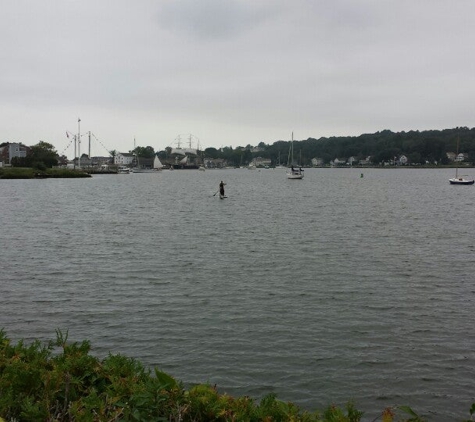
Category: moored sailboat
[293,173]
[460,180]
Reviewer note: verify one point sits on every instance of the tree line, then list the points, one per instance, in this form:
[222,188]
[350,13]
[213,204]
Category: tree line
[420,147]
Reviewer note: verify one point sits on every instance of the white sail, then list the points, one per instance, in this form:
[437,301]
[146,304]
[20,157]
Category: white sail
[157,164]
[179,151]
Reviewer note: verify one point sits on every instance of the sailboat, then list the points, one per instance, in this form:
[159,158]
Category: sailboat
[139,169]
[460,180]
[293,173]
[279,166]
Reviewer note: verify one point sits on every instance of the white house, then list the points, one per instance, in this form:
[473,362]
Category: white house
[402,160]
[13,149]
[339,161]
[461,157]
[366,161]
[124,158]
[317,161]
[451,156]
[261,162]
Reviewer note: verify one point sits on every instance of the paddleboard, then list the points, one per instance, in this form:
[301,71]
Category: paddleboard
[222,197]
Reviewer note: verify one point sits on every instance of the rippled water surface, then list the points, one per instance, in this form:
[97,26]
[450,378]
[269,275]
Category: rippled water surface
[331,288]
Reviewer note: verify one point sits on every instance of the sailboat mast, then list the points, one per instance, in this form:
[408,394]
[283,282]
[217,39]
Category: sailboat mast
[456,158]
[79,142]
[75,151]
[292,145]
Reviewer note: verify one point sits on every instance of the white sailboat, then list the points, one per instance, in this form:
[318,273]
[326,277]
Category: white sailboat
[293,173]
[460,180]
[279,166]
[157,166]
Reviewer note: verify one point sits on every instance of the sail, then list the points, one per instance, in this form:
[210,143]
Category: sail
[191,151]
[179,151]
[157,164]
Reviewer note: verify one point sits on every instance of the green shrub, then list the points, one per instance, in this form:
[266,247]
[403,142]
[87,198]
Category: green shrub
[60,381]
[39,171]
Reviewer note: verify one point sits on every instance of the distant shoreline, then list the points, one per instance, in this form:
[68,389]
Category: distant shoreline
[31,173]
[56,173]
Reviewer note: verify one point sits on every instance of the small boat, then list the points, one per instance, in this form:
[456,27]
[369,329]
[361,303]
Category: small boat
[460,180]
[147,165]
[293,173]
[123,170]
[279,165]
[143,170]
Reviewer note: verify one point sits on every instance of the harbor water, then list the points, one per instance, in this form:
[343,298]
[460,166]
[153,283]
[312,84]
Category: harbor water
[332,288]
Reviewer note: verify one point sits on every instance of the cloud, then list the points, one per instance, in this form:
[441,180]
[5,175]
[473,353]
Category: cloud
[232,71]
[210,19]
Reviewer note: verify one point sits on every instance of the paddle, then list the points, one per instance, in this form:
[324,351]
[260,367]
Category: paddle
[215,193]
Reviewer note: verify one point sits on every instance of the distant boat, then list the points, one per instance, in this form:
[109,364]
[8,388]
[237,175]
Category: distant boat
[184,158]
[143,170]
[157,166]
[293,173]
[460,180]
[183,164]
[123,170]
[280,166]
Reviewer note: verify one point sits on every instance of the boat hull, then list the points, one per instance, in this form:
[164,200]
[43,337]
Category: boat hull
[144,170]
[461,181]
[184,167]
[295,176]
[295,173]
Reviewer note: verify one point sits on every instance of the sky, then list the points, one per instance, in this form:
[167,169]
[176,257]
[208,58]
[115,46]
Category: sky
[231,72]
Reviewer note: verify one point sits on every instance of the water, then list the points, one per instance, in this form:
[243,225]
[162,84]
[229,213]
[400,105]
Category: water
[332,288]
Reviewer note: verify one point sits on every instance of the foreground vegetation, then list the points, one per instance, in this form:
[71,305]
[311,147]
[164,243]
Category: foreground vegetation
[36,173]
[61,381]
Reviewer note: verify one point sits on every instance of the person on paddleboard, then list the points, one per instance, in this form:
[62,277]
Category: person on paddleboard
[221,189]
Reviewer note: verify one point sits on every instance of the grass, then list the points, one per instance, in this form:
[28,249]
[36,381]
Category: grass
[31,173]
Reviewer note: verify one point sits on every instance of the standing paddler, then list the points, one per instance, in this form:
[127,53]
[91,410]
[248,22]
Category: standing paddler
[221,189]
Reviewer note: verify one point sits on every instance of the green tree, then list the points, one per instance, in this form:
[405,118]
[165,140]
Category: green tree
[113,153]
[43,154]
[415,158]
[146,152]
[212,152]
[19,162]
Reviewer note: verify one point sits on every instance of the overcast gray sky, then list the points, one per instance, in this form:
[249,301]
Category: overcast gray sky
[231,72]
